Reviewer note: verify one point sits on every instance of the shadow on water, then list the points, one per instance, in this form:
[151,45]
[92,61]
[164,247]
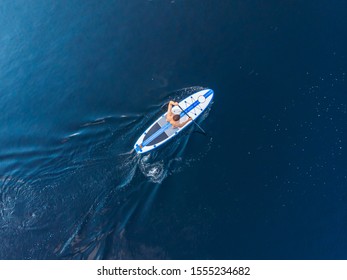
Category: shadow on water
[78,197]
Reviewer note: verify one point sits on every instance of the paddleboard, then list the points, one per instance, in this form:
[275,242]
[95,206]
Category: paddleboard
[162,131]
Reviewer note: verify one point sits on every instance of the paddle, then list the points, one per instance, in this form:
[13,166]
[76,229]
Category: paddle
[203,131]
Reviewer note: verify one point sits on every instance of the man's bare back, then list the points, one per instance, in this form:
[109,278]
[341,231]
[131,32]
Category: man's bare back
[173,118]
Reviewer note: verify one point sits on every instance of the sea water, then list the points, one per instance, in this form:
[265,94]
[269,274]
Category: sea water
[81,80]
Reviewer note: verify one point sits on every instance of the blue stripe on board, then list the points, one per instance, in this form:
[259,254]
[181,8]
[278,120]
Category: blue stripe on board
[165,127]
[191,107]
[207,94]
[154,135]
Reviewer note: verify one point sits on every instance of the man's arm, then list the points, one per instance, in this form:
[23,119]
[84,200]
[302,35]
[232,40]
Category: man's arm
[170,105]
[184,123]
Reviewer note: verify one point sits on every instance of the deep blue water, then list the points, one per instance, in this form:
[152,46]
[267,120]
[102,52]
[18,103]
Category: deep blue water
[81,80]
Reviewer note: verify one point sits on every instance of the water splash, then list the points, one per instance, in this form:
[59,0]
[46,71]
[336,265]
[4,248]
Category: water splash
[156,172]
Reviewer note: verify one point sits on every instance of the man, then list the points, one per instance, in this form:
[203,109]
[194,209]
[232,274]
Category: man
[173,118]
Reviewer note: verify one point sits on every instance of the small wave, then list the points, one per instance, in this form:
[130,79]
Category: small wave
[126,170]
[96,122]
[111,119]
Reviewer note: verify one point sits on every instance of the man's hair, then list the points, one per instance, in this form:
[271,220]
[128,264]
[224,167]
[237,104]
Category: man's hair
[176,117]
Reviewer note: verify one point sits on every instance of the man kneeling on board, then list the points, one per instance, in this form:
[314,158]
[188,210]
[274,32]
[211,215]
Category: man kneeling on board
[173,118]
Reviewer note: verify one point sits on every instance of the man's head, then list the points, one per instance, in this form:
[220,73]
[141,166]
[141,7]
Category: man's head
[176,118]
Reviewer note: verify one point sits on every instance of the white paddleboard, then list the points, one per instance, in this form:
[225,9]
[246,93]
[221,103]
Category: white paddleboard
[162,131]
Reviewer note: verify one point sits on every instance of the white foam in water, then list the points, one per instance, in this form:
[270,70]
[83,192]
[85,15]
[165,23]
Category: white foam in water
[155,172]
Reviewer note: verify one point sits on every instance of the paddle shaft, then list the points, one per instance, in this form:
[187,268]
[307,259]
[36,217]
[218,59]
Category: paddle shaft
[203,131]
